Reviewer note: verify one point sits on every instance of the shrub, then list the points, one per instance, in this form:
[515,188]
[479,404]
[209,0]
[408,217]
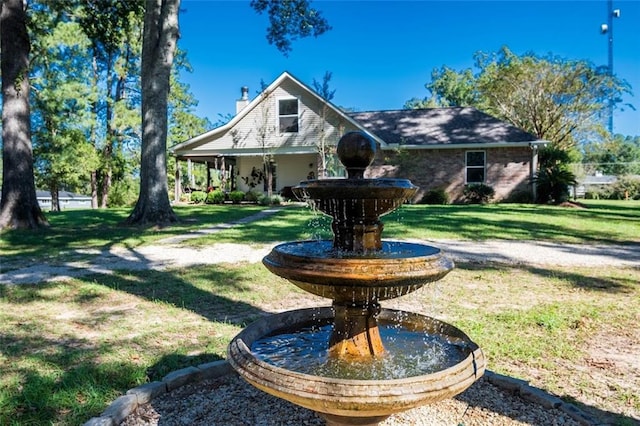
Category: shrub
[554,178]
[236,196]
[626,187]
[435,196]
[265,200]
[198,197]
[215,197]
[276,200]
[478,193]
[252,196]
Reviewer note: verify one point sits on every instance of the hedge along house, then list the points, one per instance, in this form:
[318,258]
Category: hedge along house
[289,132]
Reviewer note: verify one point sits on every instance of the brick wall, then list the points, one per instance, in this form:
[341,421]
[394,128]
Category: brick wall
[507,170]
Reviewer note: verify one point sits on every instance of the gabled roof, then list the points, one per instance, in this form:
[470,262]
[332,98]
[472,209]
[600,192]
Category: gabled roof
[197,140]
[442,127]
[433,128]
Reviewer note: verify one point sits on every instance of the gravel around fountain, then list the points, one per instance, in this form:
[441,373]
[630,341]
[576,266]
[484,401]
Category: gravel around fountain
[230,401]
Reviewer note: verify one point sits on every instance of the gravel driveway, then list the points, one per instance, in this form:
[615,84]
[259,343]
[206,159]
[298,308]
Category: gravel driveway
[173,254]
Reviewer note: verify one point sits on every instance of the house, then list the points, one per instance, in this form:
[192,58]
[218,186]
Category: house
[289,132]
[67,200]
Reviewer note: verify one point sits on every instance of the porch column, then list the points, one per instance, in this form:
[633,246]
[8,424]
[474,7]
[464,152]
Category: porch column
[192,179]
[533,170]
[177,187]
[223,174]
[208,174]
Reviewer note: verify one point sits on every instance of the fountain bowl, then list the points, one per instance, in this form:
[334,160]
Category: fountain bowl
[399,268]
[352,198]
[347,401]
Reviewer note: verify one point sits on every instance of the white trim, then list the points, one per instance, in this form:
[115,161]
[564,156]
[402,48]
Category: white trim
[467,167]
[471,146]
[278,116]
[204,137]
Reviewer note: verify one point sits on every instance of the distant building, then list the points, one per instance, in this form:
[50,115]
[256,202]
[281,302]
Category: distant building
[67,200]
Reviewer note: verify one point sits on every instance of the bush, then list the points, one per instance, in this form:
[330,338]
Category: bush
[236,196]
[626,187]
[252,196]
[478,193]
[554,177]
[435,196]
[265,200]
[215,197]
[198,197]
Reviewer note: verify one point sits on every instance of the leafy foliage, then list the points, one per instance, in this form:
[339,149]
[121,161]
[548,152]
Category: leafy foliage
[617,156]
[554,177]
[215,197]
[435,196]
[553,98]
[198,197]
[289,20]
[236,196]
[478,193]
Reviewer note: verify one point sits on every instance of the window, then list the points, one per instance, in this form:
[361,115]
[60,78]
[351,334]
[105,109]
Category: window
[288,115]
[475,162]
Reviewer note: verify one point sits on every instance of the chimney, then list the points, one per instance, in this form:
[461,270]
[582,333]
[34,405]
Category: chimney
[244,100]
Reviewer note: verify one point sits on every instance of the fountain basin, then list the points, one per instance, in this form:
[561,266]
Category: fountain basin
[345,401]
[399,268]
[351,198]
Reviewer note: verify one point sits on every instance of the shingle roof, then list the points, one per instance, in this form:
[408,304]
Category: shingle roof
[437,126]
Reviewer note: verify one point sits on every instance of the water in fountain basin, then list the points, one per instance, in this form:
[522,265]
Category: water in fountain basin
[407,353]
[324,249]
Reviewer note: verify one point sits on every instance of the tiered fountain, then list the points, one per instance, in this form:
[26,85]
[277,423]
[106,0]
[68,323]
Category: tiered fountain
[355,363]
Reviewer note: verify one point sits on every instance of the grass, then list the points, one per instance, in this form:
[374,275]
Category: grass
[99,229]
[67,349]
[70,348]
[601,222]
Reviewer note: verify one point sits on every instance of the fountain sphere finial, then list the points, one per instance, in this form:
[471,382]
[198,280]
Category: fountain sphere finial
[356,152]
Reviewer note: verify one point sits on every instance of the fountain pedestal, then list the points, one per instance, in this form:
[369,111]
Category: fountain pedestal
[355,332]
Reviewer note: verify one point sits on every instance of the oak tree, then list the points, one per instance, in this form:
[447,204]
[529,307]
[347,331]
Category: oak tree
[19,206]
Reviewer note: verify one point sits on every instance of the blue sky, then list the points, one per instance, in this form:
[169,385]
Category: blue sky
[381,53]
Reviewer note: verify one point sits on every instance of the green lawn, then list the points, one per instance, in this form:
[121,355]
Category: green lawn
[600,222]
[69,348]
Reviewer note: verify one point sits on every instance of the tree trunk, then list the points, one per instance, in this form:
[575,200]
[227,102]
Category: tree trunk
[55,197]
[158,47]
[19,206]
[94,189]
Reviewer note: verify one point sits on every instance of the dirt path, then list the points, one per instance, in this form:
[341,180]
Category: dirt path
[173,254]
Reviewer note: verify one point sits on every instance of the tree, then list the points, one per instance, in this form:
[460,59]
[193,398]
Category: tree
[289,20]
[61,107]
[160,37]
[617,156]
[327,94]
[555,99]
[19,206]
[113,28]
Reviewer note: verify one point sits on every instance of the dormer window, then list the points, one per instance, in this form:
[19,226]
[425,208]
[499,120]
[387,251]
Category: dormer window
[288,115]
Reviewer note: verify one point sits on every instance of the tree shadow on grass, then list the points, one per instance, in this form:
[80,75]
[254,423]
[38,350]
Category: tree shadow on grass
[587,279]
[57,376]
[66,379]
